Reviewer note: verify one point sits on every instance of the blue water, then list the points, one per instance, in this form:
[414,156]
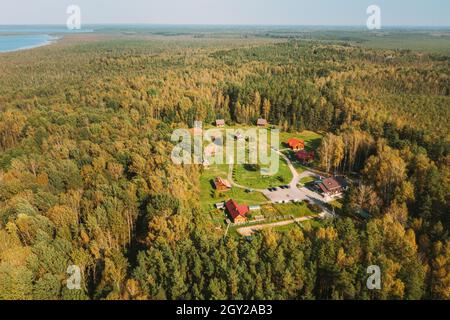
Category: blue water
[19,42]
[13,38]
[41,29]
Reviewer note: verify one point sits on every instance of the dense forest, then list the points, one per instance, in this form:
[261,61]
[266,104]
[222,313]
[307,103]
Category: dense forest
[86,177]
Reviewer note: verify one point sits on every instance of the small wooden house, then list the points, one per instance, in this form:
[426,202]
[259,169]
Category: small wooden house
[222,185]
[296,144]
[333,187]
[237,212]
[261,123]
[220,123]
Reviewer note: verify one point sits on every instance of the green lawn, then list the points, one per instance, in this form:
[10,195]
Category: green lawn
[312,139]
[306,225]
[208,196]
[293,209]
[249,176]
[312,143]
[297,210]
[272,211]
[307,180]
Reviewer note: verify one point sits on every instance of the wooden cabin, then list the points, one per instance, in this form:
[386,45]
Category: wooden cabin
[237,212]
[222,185]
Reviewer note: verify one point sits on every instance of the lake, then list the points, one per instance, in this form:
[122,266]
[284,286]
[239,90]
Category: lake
[10,43]
[13,38]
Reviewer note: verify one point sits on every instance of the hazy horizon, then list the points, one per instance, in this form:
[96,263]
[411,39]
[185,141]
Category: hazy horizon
[401,13]
[220,25]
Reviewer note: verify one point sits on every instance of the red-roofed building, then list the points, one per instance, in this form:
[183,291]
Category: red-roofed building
[237,212]
[296,144]
[305,156]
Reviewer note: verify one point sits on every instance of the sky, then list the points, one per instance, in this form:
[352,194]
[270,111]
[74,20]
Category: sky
[240,12]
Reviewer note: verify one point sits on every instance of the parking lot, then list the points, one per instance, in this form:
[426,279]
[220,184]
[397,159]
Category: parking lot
[293,194]
[285,195]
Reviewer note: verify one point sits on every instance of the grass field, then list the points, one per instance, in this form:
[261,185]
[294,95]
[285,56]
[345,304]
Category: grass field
[312,143]
[248,176]
[312,139]
[432,41]
[307,180]
[307,225]
[296,210]
[279,212]
[208,196]
[287,210]
[251,177]
[435,40]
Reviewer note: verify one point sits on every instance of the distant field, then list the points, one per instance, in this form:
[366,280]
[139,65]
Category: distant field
[427,42]
[433,41]
[418,39]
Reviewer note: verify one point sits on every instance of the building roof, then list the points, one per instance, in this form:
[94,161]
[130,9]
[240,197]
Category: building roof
[323,188]
[235,209]
[222,182]
[294,142]
[332,184]
[220,122]
[261,122]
